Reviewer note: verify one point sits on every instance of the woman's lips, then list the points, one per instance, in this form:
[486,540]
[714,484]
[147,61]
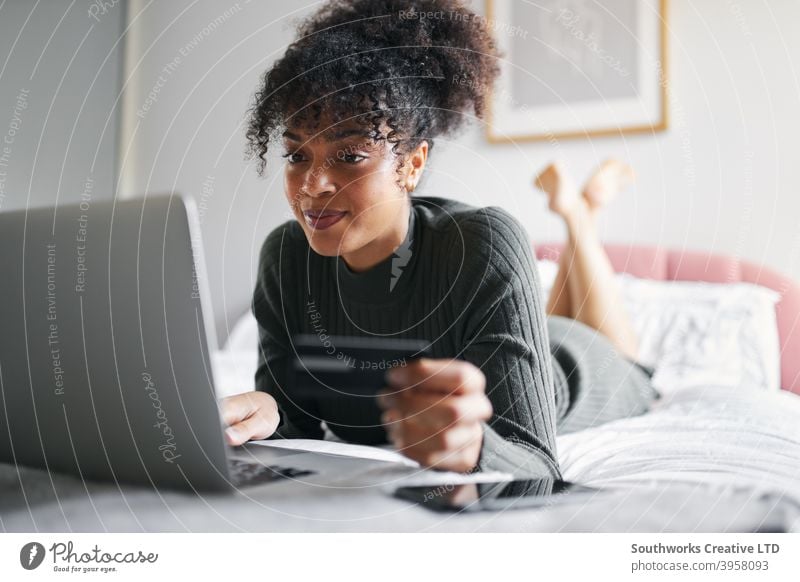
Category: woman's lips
[320,220]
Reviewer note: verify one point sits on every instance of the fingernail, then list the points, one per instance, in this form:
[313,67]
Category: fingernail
[231,432]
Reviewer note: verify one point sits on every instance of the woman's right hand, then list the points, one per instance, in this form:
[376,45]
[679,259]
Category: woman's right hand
[249,416]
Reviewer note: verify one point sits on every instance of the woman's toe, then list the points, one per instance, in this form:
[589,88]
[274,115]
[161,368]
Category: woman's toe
[612,176]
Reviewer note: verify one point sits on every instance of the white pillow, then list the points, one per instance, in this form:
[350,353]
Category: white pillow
[235,364]
[244,335]
[234,372]
[547,275]
[700,334]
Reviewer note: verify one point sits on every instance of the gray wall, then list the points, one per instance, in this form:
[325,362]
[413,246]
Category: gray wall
[191,70]
[723,178]
[59,81]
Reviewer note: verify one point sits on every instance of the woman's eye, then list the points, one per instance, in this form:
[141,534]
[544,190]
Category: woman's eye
[352,158]
[293,157]
[296,157]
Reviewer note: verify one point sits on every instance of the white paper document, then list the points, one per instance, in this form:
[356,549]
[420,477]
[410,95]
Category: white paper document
[392,469]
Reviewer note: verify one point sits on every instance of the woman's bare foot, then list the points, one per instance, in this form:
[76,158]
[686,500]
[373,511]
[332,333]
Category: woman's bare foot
[611,177]
[561,192]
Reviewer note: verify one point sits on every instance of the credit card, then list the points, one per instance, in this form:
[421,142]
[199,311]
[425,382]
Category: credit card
[336,366]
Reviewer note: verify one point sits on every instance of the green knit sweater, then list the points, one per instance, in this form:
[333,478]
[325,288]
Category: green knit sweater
[465,281]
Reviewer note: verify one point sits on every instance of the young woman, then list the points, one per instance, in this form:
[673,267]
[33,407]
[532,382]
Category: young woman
[358,100]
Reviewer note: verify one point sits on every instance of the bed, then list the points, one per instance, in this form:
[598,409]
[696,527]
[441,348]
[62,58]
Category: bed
[708,457]
[703,436]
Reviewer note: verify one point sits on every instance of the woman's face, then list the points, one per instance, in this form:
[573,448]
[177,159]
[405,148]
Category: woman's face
[343,189]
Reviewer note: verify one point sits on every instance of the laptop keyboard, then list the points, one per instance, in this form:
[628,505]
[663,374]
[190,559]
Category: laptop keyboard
[244,473]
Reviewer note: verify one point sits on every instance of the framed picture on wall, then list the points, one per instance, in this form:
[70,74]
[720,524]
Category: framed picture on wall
[578,68]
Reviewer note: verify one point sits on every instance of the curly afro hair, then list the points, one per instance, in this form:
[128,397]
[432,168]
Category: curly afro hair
[407,71]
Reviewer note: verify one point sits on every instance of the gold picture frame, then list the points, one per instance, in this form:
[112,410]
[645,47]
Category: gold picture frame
[561,35]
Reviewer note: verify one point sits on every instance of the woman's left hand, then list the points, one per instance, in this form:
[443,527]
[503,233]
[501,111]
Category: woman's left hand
[433,411]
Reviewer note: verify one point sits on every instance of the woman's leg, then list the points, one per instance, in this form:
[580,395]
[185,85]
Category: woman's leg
[559,302]
[585,272]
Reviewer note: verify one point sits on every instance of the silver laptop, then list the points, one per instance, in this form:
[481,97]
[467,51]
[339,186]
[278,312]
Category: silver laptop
[104,362]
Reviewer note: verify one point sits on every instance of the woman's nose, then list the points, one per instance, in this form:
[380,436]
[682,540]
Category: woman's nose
[317,182]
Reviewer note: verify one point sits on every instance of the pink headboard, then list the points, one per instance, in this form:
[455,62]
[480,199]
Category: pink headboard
[674,265]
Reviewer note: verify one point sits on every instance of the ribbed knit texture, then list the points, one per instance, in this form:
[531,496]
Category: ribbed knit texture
[465,281]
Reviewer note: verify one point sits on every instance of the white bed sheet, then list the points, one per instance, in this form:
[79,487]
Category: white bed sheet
[704,436]
[708,436]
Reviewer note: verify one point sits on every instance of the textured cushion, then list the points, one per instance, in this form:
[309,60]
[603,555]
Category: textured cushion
[682,265]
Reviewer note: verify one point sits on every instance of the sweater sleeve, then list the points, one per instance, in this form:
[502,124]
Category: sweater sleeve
[503,332]
[298,416]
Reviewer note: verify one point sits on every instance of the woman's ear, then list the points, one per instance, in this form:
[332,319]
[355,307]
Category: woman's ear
[415,165]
